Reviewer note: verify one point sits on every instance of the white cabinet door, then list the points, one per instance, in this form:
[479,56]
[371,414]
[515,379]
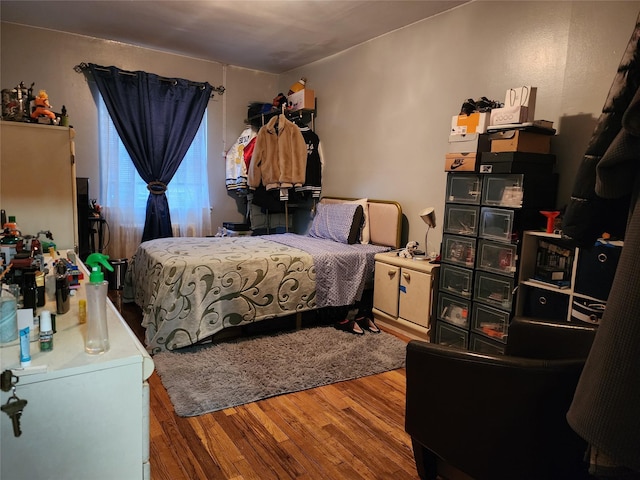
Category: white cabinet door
[415,296]
[385,292]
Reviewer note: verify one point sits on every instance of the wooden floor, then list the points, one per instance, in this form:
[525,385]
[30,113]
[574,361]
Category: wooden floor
[348,430]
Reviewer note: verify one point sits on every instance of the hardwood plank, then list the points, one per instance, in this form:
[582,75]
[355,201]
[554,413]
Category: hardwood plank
[350,430]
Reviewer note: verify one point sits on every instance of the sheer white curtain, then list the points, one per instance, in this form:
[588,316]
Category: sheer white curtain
[123,194]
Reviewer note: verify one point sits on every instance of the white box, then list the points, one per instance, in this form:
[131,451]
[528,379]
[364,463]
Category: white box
[475,123]
[303,99]
[507,115]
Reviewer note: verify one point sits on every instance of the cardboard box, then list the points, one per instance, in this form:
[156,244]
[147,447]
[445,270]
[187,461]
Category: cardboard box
[475,123]
[516,162]
[470,142]
[507,115]
[520,141]
[303,99]
[461,162]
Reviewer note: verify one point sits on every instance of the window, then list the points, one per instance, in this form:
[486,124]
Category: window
[123,194]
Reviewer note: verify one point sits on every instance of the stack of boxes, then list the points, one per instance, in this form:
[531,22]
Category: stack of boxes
[499,178]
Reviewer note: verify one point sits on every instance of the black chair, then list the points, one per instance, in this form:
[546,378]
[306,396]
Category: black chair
[499,417]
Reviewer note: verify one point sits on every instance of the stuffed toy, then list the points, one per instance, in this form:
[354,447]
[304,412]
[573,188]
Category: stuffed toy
[43,107]
[409,250]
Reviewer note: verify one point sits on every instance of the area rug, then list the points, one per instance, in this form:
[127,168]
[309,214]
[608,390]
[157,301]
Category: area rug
[213,377]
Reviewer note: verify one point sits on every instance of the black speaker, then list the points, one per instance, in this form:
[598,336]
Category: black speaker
[82,189]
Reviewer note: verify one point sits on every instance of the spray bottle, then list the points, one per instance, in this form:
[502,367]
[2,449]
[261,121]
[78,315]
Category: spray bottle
[97,340]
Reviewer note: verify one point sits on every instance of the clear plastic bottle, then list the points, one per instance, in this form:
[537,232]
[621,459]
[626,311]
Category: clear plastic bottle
[8,316]
[97,340]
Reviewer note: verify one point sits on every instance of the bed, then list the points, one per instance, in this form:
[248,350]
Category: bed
[190,289]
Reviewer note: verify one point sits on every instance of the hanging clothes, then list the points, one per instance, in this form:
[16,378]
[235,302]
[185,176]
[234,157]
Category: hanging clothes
[248,152]
[236,177]
[313,177]
[279,158]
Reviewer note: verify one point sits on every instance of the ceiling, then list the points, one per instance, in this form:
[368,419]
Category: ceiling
[270,36]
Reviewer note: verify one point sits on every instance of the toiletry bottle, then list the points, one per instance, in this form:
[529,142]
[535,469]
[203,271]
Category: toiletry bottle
[41,298]
[25,320]
[30,290]
[82,311]
[46,331]
[97,340]
[62,288]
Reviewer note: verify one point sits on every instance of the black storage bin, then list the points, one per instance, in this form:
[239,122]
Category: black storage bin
[588,311]
[596,269]
[545,305]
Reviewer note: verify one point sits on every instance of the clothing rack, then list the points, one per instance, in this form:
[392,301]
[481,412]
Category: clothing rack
[293,116]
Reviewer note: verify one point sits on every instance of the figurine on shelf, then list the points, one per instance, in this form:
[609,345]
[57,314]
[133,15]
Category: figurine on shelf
[409,251]
[43,108]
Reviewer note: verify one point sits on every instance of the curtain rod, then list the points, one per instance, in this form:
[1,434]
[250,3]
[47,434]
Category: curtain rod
[81,67]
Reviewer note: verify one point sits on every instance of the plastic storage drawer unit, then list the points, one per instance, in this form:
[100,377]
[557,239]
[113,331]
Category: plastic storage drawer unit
[482,344]
[464,188]
[461,219]
[451,336]
[456,280]
[507,225]
[459,250]
[503,190]
[495,290]
[497,257]
[490,322]
[454,310]
[516,190]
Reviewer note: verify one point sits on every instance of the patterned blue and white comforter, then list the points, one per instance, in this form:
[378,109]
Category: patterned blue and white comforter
[191,288]
[341,270]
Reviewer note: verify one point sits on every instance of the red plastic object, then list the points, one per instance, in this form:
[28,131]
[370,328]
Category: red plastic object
[551,216]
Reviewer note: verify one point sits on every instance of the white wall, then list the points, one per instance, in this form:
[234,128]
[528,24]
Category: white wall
[384,107]
[47,58]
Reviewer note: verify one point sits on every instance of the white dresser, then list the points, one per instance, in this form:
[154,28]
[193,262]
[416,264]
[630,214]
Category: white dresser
[87,416]
[403,294]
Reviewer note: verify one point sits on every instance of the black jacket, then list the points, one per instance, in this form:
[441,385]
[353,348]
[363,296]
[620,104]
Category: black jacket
[590,213]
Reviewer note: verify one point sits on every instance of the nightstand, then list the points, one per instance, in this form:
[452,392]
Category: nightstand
[403,294]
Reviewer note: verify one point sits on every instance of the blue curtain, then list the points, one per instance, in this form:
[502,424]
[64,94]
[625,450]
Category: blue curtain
[157,119]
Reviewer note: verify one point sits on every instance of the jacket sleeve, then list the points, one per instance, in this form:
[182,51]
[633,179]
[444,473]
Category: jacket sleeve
[254,175]
[299,157]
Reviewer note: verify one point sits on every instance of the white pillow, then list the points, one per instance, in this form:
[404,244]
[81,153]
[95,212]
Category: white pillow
[365,237]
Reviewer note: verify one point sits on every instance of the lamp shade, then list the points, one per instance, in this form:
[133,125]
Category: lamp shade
[428,215]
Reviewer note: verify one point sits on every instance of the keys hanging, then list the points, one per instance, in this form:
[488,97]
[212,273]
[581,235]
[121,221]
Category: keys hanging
[13,408]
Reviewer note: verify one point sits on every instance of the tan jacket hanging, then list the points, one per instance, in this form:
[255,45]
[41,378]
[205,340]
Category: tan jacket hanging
[280,156]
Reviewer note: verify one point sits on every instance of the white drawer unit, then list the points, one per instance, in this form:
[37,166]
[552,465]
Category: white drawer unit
[87,416]
[403,294]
